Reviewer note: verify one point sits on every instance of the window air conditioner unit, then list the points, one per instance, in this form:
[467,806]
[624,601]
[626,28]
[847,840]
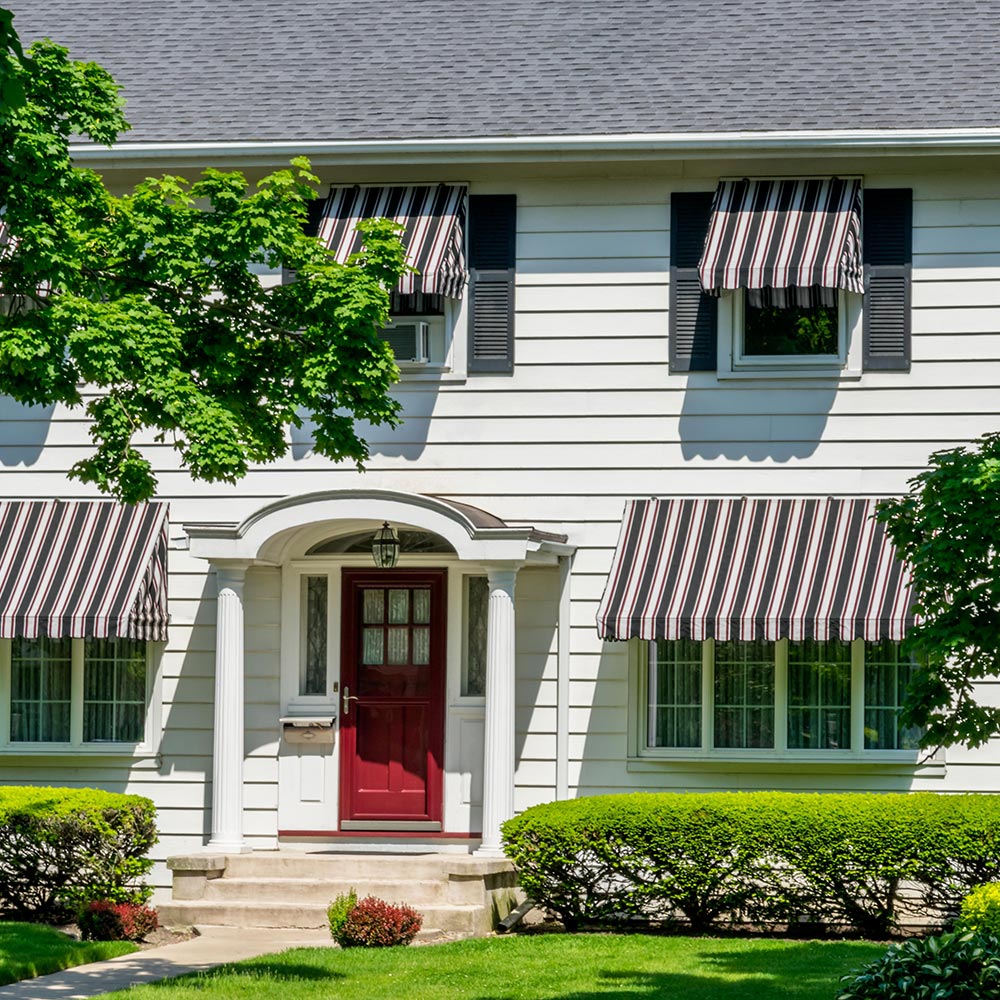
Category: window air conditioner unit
[409,341]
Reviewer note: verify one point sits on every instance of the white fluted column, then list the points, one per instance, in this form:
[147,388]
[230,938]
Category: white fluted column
[498,759]
[227,759]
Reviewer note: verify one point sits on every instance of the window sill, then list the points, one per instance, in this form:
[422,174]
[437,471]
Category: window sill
[783,374]
[891,761]
[117,750]
[424,374]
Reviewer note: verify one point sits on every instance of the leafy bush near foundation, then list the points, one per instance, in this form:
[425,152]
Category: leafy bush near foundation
[62,847]
[957,966]
[103,920]
[338,911]
[981,910]
[857,861]
[372,922]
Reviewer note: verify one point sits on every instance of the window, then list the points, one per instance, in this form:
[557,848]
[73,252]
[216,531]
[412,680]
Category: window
[421,332]
[477,602]
[759,339]
[77,692]
[796,698]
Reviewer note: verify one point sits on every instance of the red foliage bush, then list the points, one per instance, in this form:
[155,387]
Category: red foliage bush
[104,920]
[374,923]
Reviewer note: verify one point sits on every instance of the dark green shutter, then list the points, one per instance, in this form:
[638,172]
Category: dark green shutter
[887,247]
[492,253]
[694,316]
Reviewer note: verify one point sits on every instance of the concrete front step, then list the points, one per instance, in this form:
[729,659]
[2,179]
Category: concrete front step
[452,920]
[415,892]
[345,867]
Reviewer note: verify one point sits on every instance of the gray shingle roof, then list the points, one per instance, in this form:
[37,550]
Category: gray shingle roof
[230,70]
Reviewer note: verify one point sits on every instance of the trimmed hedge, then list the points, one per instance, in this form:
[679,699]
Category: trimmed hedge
[62,847]
[765,857]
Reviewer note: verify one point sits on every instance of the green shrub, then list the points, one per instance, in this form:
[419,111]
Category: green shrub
[958,966]
[981,910]
[338,910]
[766,857]
[103,920]
[62,847]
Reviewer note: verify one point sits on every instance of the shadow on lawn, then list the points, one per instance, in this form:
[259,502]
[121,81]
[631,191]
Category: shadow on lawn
[792,973]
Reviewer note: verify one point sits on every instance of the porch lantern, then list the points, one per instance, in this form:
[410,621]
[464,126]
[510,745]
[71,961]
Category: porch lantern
[385,547]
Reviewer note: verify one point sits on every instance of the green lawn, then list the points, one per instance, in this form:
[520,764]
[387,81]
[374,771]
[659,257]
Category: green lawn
[567,967]
[28,950]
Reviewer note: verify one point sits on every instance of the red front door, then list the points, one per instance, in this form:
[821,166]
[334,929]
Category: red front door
[392,704]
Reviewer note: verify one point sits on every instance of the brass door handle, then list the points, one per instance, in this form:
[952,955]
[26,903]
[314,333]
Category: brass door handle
[348,698]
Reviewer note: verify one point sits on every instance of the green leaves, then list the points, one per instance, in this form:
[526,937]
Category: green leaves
[946,529]
[958,966]
[143,308]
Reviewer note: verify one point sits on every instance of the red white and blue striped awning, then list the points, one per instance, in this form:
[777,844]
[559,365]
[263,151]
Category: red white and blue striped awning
[83,569]
[775,235]
[755,569]
[434,219]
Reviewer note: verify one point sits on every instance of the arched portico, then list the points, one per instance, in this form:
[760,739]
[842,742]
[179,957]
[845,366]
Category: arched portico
[284,531]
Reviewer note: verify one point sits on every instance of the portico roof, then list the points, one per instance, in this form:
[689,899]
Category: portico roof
[280,530]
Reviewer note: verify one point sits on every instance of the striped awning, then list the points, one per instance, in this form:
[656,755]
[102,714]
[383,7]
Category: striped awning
[800,235]
[754,569]
[434,217]
[84,569]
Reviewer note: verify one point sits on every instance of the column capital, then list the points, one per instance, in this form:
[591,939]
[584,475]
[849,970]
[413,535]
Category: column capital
[503,576]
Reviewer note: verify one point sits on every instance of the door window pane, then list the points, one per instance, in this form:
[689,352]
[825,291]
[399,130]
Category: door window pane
[887,675]
[114,686]
[314,674]
[399,651]
[40,685]
[675,694]
[744,694]
[371,652]
[421,646]
[819,695]
[399,607]
[374,607]
[421,607]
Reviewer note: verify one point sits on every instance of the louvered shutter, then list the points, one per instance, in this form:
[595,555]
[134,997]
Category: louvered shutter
[887,247]
[694,316]
[492,257]
[314,212]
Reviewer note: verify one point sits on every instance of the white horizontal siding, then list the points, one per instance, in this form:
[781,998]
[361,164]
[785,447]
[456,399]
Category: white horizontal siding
[590,418]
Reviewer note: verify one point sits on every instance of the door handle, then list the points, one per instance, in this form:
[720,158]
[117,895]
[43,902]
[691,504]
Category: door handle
[348,698]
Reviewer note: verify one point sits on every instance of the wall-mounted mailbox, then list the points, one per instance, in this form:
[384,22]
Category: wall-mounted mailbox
[307,729]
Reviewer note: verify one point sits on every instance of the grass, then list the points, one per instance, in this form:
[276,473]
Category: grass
[544,967]
[29,950]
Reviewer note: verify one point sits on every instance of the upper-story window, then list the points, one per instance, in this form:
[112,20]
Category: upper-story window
[799,278]
[453,313]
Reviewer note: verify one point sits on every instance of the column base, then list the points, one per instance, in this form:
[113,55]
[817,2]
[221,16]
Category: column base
[489,852]
[229,846]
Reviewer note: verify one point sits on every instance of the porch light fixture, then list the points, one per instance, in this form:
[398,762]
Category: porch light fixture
[385,547]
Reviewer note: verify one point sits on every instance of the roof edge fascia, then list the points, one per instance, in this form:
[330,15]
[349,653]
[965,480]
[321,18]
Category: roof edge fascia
[580,147]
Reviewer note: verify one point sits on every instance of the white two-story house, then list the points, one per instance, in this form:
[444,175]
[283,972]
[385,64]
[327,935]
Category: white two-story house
[699,282]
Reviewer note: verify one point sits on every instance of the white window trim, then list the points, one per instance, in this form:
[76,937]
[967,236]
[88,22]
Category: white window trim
[640,753]
[152,728]
[846,365]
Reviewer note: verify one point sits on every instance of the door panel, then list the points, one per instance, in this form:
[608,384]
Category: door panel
[392,726]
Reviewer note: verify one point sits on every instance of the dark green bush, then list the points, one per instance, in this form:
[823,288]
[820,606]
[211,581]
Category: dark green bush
[765,857]
[959,966]
[62,847]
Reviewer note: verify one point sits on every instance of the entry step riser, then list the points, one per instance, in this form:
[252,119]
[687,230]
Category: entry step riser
[413,893]
[467,920]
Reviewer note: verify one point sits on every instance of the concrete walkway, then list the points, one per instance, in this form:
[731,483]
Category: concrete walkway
[214,946]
